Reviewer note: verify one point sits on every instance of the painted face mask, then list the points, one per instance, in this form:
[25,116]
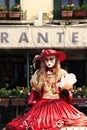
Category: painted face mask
[50,61]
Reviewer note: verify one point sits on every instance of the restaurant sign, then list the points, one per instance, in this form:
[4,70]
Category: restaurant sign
[43,37]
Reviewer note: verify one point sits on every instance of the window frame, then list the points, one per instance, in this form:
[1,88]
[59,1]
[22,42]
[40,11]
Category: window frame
[7,3]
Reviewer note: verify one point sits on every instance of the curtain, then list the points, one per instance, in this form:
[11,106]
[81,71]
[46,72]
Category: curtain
[57,9]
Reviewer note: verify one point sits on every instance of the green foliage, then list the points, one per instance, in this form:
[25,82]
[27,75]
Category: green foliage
[79,8]
[80,91]
[68,7]
[3,8]
[84,7]
[16,7]
[19,92]
[4,93]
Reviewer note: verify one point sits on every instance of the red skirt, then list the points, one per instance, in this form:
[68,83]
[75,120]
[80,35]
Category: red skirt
[49,114]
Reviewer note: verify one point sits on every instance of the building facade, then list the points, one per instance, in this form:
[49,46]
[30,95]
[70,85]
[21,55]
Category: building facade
[38,27]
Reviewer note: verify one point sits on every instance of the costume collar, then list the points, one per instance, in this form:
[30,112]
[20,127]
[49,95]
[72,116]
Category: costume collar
[50,69]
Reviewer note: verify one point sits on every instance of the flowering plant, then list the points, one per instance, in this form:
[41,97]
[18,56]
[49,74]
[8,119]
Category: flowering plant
[81,8]
[79,91]
[16,7]
[19,92]
[68,7]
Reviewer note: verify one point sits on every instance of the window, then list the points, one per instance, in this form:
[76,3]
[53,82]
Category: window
[57,4]
[11,3]
[2,2]
[64,2]
[75,2]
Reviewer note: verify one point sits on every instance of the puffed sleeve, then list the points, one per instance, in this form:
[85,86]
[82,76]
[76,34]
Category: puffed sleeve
[36,81]
[67,81]
[34,77]
[33,81]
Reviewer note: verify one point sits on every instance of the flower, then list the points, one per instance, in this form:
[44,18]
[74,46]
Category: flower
[68,7]
[19,92]
[79,91]
[21,89]
[16,7]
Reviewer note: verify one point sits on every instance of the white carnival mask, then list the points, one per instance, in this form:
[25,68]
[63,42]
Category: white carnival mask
[50,61]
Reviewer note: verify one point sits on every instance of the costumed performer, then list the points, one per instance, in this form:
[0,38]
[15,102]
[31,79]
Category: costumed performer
[51,110]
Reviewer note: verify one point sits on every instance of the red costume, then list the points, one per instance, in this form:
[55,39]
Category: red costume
[50,111]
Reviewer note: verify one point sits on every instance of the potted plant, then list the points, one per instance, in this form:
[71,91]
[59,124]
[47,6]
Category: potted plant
[79,94]
[80,11]
[4,100]
[67,10]
[3,11]
[14,96]
[15,11]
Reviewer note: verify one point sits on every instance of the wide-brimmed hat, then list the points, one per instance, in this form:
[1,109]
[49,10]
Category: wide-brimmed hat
[61,55]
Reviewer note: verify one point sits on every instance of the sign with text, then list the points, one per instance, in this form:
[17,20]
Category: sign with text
[24,36]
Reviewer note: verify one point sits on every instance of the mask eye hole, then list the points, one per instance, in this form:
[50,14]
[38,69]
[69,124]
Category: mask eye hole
[51,59]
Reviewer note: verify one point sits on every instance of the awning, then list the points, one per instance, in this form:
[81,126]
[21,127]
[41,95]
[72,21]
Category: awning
[26,36]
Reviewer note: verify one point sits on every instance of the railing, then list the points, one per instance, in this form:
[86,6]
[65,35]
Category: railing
[14,106]
[80,101]
[11,106]
[13,15]
[57,15]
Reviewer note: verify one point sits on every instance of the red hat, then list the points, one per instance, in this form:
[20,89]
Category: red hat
[61,55]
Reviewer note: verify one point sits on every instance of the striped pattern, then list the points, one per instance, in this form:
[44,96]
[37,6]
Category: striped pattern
[74,128]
